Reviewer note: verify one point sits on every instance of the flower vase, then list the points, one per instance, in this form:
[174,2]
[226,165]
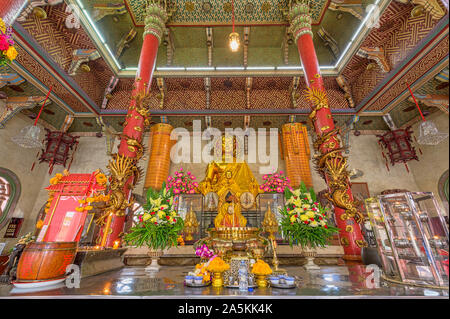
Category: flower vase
[261,281]
[217,281]
[154,254]
[310,253]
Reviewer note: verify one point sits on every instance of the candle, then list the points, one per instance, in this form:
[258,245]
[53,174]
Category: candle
[116,244]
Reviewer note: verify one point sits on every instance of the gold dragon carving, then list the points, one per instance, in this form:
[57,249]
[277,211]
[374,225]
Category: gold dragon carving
[330,163]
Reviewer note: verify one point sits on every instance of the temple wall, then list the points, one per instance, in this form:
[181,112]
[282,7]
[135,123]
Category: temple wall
[365,154]
[19,161]
[434,160]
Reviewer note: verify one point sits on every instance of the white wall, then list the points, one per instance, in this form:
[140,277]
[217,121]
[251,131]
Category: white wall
[19,160]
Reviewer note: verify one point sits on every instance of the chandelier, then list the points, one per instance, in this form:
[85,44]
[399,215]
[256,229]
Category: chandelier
[428,132]
[29,135]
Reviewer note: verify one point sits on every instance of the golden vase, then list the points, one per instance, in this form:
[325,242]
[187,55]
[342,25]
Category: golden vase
[261,281]
[217,280]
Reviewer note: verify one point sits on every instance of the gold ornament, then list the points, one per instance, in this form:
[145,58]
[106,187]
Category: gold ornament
[318,97]
[190,224]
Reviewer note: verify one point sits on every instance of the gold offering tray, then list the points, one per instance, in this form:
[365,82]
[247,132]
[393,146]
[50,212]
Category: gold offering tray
[234,233]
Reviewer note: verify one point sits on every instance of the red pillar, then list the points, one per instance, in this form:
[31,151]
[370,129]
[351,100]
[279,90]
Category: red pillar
[135,122]
[350,234]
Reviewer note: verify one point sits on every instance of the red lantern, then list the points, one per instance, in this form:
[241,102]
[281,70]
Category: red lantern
[59,146]
[398,145]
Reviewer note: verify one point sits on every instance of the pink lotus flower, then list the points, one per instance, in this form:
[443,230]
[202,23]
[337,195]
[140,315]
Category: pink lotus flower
[281,172]
[176,191]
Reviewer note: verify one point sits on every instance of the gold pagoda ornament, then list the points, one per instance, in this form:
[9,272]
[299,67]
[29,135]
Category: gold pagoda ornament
[270,225]
[190,224]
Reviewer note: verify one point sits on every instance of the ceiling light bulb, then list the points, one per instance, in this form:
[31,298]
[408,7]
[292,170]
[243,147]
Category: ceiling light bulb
[234,41]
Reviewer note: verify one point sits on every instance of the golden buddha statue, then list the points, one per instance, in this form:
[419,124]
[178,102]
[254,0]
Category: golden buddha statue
[229,213]
[229,175]
[229,180]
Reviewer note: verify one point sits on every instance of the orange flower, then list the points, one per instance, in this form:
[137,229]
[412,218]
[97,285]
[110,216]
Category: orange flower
[261,268]
[101,179]
[88,208]
[90,199]
[82,201]
[79,209]
[39,224]
[218,265]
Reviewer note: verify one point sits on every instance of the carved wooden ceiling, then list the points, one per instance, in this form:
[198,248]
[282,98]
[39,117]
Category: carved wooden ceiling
[415,49]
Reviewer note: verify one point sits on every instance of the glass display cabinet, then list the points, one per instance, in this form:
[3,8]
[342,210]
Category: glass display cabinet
[418,237]
[275,201]
[190,208]
[383,243]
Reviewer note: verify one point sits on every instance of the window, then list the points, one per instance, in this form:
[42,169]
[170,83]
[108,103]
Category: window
[9,194]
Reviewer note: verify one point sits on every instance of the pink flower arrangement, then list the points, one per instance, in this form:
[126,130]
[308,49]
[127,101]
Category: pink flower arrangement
[275,183]
[204,252]
[7,51]
[181,182]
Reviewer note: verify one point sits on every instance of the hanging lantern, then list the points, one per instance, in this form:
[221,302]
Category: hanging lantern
[398,146]
[233,39]
[28,137]
[429,134]
[57,148]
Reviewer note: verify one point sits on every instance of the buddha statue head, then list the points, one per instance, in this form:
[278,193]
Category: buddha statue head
[228,148]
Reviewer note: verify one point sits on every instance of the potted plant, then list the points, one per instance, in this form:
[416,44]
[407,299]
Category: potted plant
[304,222]
[159,225]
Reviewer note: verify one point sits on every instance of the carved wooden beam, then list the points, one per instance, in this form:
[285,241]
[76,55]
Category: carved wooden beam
[376,54]
[329,42]
[432,7]
[208,121]
[67,123]
[162,90]
[36,3]
[110,133]
[125,41]
[209,44]
[246,42]
[170,47]
[343,84]
[293,91]
[439,101]
[10,79]
[355,10]
[108,91]
[102,10]
[287,41]
[16,104]
[81,56]
[248,88]
[208,92]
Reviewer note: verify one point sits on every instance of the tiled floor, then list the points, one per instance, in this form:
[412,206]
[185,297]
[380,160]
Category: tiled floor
[329,281]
